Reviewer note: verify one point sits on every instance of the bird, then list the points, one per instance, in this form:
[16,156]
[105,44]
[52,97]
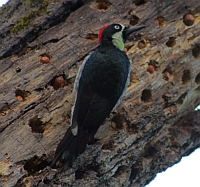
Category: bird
[100,85]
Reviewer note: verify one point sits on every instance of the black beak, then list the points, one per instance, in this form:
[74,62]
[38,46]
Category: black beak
[128,30]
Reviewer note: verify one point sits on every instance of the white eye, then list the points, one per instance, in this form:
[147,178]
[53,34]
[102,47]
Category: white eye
[117,27]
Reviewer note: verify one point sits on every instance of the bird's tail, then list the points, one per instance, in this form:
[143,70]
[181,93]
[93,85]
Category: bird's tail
[70,147]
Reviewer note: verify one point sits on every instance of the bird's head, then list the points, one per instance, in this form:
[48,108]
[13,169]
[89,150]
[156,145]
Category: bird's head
[116,34]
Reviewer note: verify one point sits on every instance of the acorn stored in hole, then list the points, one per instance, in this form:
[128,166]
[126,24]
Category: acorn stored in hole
[45,59]
[3,113]
[20,98]
[150,69]
[58,82]
[188,19]
[166,75]
[142,44]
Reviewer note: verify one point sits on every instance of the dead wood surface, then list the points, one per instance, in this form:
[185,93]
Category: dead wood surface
[153,127]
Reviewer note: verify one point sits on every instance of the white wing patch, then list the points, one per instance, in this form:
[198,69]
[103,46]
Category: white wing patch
[74,127]
[78,76]
[75,130]
[124,91]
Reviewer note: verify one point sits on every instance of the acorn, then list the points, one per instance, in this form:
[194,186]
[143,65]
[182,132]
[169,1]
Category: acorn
[58,82]
[20,98]
[188,19]
[166,75]
[141,44]
[3,113]
[151,69]
[45,59]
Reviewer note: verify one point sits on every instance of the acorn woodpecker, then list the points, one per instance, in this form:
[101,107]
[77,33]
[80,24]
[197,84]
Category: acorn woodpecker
[99,86]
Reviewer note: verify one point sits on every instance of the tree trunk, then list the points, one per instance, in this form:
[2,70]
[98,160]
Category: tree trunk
[43,43]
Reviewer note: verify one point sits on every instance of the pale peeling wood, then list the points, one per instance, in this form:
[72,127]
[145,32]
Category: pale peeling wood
[154,126]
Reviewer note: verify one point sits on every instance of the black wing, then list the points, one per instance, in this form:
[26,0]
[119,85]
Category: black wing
[102,82]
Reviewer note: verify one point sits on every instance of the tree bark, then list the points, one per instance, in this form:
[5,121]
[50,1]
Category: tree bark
[43,43]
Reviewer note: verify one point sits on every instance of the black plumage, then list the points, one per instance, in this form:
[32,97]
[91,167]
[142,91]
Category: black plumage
[100,85]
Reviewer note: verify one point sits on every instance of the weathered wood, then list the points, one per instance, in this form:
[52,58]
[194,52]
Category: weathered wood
[152,129]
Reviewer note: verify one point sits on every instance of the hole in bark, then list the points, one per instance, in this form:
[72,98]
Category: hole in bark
[46,180]
[174,147]
[108,146]
[93,167]
[197,79]
[36,164]
[22,95]
[195,136]
[37,125]
[4,110]
[154,63]
[134,171]
[38,89]
[188,19]
[45,58]
[134,20]
[120,171]
[142,44]
[140,2]
[196,52]
[166,97]
[160,21]
[170,110]
[181,98]
[186,76]
[150,151]
[18,70]
[167,73]
[79,174]
[20,182]
[58,82]
[146,95]
[171,42]
[152,66]
[102,4]
[117,121]
[92,140]
[91,36]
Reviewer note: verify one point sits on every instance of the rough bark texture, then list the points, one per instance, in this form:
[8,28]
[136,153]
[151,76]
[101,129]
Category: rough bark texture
[152,129]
